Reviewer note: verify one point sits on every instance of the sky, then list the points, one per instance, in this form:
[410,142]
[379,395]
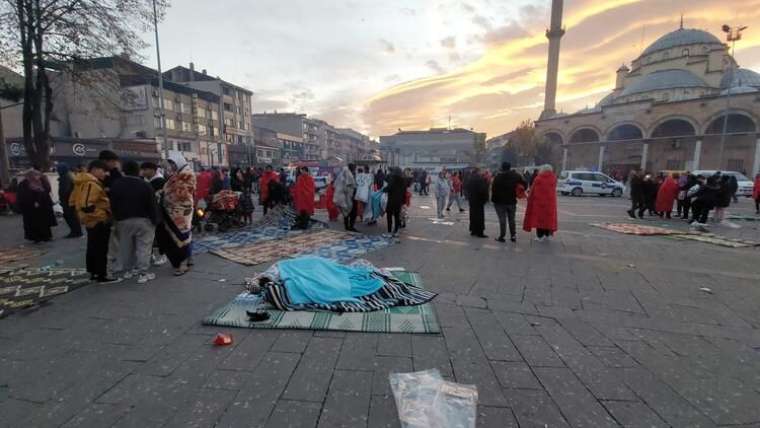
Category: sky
[379,66]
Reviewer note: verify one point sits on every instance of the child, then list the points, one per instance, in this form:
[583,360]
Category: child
[246,207]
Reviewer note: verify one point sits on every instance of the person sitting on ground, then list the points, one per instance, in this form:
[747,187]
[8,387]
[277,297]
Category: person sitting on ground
[133,203]
[94,210]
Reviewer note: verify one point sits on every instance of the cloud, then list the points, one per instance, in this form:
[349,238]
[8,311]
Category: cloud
[387,46]
[468,8]
[449,42]
[504,85]
[408,11]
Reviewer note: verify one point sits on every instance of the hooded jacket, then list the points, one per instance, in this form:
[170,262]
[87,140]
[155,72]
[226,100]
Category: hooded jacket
[90,200]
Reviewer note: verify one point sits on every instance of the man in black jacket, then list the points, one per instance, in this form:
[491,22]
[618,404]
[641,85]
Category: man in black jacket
[477,189]
[134,208]
[504,198]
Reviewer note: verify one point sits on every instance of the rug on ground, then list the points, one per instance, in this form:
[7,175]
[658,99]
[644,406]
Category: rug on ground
[29,286]
[397,319]
[711,238]
[744,217]
[637,229]
[11,255]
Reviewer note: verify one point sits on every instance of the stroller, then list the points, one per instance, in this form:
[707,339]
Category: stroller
[224,211]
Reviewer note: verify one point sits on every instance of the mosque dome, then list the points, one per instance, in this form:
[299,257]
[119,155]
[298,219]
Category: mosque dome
[665,79]
[682,37]
[741,77]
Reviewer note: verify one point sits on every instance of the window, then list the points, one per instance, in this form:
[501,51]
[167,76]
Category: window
[685,52]
[187,126]
[185,147]
[169,123]
[214,115]
[157,122]
[168,104]
[226,91]
[202,130]
[227,107]
[182,107]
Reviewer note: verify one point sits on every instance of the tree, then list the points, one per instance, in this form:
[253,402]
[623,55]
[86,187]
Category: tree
[531,148]
[45,37]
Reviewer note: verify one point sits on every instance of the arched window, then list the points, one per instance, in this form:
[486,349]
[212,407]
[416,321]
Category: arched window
[674,128]
[736,124]
[625,132]
[585,135]
[553,138]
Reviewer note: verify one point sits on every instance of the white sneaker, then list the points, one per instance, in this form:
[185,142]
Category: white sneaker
[541,239]
[145,277]
[129,274]
[158,260]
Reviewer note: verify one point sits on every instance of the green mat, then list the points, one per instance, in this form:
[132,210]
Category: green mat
[400,319]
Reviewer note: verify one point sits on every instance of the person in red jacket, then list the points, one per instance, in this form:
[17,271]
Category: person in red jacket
[541,213]
[203,184]
[266,178]
[303,193]
[666,196]
[332,210]
[756,194]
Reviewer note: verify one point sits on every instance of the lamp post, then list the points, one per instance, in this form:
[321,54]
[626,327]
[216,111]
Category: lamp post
[733,34]
[160,84]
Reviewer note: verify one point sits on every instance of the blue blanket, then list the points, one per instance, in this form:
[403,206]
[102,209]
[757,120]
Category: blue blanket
[323,281]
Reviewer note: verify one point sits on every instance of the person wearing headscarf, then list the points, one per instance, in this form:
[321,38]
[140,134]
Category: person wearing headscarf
[175,234]
[666,196]
[345,190]
[36,207]
[541,213]
[65,188]
[477,190]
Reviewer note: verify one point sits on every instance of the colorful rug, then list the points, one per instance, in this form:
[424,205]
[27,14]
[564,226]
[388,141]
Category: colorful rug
[11,255]
[743,217]
[402,319]
[350,248]
[26,287]
[267,251]
[637,229]
[711,238]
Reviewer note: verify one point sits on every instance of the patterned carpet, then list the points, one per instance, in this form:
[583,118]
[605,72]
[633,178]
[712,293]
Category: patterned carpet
[262,252]
[743,217]
[403,319]
[11,255]
[722,241]
[637,229]
[29,286]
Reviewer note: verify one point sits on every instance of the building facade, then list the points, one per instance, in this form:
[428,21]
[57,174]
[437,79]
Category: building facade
[684,104]
[432,150]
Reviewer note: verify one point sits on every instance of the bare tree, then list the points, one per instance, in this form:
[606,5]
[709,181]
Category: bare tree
[530,147]
[43,37]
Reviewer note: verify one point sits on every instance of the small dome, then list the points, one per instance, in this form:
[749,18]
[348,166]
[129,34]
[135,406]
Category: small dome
[741,77]
[682,37]
[664,79]
[607,100]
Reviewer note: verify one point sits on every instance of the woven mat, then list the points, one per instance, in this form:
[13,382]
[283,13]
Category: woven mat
[401,319]
[262,252]
[350,248]
[26,287]
[711,238]
[637,229]
[743,217]
[11,255]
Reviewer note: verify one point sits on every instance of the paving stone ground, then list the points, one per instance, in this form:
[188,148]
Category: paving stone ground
[592,329]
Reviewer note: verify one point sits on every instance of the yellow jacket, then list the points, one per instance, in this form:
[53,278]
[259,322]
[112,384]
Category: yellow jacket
[90,200]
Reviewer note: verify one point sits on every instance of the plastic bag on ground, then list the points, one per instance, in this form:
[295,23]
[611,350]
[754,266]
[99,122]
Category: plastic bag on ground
[425,400]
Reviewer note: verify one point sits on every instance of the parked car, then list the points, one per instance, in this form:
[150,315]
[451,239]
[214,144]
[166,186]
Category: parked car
[745,184]
[579,183]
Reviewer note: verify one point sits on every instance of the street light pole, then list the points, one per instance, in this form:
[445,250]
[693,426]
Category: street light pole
[160,84]
[733,34]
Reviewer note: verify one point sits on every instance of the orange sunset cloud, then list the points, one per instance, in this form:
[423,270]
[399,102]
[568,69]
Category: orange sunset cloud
[505,85]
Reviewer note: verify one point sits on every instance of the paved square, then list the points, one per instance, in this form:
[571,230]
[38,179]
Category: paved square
[592,329]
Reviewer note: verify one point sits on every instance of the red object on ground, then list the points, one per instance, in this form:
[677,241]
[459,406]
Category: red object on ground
[223,339]
[542,203]
[667,195]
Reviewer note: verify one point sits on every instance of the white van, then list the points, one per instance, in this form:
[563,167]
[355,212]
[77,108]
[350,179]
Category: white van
[579,183]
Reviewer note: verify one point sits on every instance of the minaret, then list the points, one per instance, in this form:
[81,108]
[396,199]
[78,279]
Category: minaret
[554,34]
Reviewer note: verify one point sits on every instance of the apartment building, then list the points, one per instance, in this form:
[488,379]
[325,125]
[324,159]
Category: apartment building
[116,98]
[268,146]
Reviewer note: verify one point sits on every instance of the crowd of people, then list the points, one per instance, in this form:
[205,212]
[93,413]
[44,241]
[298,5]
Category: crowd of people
[691,197]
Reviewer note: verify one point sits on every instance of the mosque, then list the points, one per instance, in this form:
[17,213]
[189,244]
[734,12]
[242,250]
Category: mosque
[684,104]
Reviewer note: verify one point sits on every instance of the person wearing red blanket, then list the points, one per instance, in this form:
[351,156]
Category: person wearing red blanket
[303,193]
[541,213]
[666,196]
[266,178]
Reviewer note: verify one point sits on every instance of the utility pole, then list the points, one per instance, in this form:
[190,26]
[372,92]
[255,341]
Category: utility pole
[733,34]
[160,84]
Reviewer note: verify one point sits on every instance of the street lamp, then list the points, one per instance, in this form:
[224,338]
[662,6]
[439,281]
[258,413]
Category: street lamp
[733,34]
[160,84]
